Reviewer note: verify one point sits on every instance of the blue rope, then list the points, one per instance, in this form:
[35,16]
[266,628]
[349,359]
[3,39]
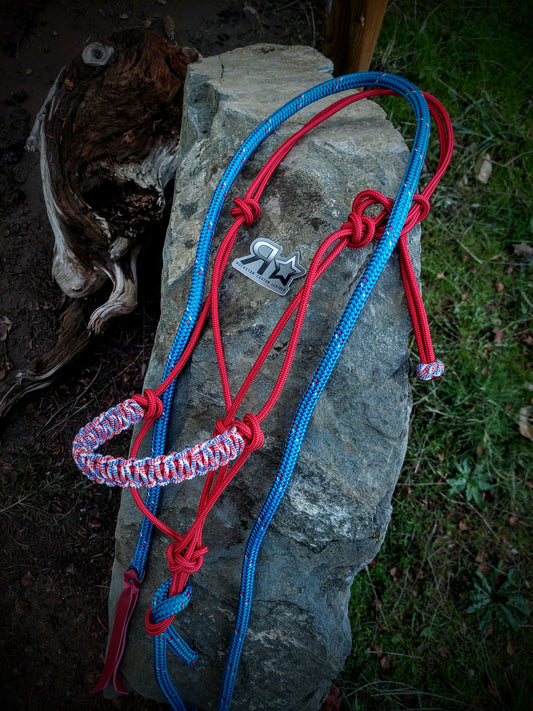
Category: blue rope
[322,374]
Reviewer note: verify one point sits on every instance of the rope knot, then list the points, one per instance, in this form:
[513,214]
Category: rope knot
[423,205]
[362,228]
[430,371]
[247,208]
[150,403]
[178,563]
[220,427]
[164,609]
[251,431]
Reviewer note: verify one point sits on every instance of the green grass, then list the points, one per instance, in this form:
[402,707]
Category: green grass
[441,619]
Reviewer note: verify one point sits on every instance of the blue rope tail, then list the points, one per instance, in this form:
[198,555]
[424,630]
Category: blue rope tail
[162,608]
[327,363]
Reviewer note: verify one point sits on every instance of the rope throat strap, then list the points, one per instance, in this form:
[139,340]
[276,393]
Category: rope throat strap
[234,439]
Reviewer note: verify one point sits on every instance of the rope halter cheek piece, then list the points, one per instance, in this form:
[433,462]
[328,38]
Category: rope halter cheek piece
[220,458]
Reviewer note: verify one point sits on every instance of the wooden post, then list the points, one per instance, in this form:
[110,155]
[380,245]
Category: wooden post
[352,31]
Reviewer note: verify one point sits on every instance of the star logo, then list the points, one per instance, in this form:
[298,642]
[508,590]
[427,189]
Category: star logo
[288,269]
[267,267]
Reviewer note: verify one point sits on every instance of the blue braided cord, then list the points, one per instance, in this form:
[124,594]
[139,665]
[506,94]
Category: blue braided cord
[318,382]
[196,295]
[163,607]
[162,675]
[197,288]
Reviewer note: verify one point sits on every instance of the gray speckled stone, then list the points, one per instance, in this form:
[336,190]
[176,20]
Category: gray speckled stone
[337,508]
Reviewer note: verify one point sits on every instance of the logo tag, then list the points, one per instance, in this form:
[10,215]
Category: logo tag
[267,267]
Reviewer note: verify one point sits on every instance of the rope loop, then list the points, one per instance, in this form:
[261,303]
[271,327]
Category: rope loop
[163,609]
[247,208]
[220,427]
[150,403]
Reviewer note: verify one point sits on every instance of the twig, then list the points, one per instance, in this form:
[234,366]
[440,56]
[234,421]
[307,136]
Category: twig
[43,429]
[20,500]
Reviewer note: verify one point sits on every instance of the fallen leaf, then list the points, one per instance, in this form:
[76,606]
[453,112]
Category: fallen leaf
[483,169]
[27,580]
[525,422]
[498,335]
[5,327]
[385,662]
[492,689]
[523,250]
[332,701]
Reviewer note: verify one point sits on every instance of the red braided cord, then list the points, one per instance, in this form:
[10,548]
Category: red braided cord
[185,553]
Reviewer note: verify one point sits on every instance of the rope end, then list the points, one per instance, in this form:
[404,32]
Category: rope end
[125,606]
[430,371]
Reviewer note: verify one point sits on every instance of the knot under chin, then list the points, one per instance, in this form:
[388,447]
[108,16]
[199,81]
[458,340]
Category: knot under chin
[150,403]
[247,208]
[178,563]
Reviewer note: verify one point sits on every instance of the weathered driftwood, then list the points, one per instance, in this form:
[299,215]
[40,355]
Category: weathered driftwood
[108,134]
[73,338]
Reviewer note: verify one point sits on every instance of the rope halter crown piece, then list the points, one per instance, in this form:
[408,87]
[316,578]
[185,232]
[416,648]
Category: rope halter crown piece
[233,440]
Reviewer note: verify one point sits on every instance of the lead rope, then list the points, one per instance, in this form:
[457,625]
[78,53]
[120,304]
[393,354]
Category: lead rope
[233,440]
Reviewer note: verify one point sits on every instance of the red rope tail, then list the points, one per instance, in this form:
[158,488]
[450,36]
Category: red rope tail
[124,610]
[416,305]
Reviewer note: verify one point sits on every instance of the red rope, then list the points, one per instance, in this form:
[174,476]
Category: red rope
[186,552]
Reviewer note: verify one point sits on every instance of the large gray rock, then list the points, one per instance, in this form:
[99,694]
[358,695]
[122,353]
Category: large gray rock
[337,508]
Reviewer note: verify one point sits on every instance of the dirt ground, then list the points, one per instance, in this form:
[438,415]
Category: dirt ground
[56,530]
